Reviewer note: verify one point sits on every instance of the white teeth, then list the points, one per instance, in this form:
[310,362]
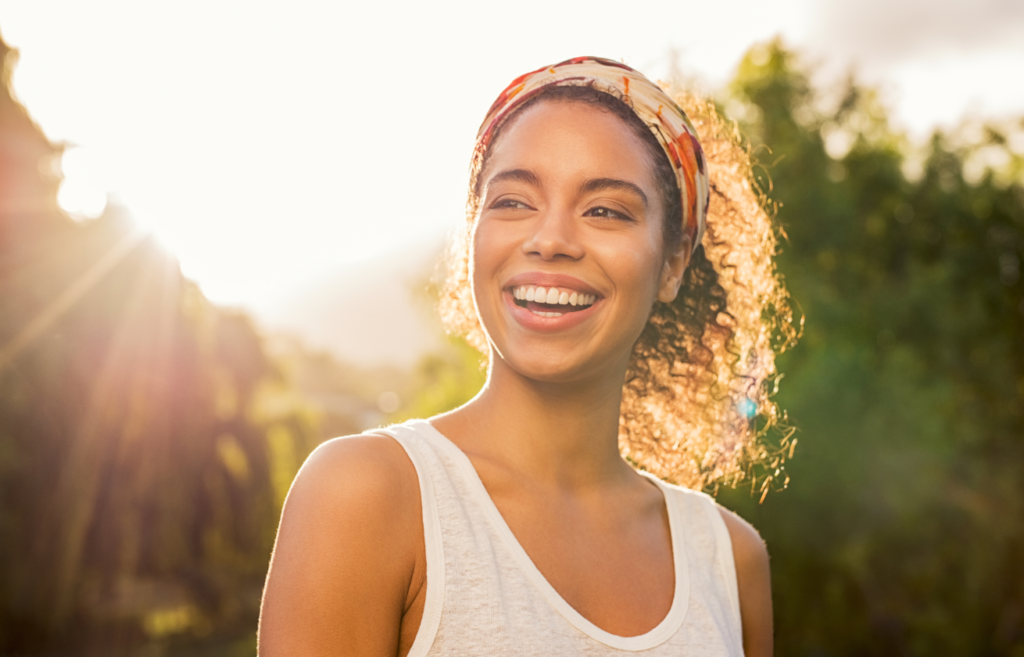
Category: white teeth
[544,314]
[552,296]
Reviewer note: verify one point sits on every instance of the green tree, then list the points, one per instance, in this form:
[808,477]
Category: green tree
[902,531]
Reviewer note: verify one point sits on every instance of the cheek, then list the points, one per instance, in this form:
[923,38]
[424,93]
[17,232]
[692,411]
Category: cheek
[636,269]
[489,248]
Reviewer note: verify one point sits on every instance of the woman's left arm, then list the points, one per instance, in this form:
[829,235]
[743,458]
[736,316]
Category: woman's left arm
[754,582]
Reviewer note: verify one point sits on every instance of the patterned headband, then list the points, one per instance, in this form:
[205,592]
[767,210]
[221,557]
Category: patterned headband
[660,113]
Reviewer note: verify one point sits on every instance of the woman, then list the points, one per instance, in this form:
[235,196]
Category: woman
[624,339]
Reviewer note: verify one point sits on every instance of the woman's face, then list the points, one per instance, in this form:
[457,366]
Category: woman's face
[568,254]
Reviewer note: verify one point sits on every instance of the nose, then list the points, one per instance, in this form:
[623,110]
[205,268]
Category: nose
[554,236]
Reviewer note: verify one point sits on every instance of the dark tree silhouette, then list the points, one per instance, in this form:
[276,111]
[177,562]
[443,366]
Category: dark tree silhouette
[141,463]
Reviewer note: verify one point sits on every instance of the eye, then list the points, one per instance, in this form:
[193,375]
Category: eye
[606,213]
[509,203]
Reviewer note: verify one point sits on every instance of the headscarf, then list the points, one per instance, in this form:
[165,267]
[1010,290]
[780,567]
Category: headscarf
[649,102]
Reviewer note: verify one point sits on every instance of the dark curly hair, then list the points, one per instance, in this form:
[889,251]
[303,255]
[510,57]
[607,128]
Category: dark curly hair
[696,402]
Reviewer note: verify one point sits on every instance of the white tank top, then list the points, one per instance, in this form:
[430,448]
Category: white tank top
[485,597]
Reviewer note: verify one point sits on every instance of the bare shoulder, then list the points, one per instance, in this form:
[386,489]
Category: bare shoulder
[365,481]
[748,547]
[367,468]
[753,580]
[347,552]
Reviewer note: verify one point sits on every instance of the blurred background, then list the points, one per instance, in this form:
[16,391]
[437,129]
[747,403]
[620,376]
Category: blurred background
[220,224]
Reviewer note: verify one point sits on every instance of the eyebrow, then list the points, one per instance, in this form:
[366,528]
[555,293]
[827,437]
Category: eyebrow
[600,184]
[516,175]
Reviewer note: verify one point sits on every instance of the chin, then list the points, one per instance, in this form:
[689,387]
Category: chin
[549,365]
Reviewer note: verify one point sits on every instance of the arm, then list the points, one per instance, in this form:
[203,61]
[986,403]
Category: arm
[348,560]
[753,579]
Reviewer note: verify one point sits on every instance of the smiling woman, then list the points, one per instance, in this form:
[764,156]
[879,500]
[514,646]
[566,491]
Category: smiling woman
[625,294]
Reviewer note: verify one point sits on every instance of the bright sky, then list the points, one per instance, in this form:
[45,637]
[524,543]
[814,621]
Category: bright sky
[267,143]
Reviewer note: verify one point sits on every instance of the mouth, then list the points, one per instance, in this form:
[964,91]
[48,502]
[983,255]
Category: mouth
[551,302]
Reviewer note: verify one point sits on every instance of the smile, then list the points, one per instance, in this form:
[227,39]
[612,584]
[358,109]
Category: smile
[552,301]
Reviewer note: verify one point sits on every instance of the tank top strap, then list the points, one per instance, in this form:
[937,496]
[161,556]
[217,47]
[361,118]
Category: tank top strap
[711,544]
[430,473]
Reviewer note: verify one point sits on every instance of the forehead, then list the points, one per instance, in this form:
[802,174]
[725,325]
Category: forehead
[562,138]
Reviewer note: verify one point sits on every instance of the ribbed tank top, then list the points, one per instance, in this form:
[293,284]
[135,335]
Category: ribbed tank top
[485,596]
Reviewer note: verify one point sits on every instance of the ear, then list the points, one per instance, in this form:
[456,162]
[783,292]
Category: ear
[672,272]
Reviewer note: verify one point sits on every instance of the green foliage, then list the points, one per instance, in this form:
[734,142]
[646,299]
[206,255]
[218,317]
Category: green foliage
[446,380]
[901,532]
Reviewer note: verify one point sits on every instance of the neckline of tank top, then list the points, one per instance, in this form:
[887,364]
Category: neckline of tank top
[658,635]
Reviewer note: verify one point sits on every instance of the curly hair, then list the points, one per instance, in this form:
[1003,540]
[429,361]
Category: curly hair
[696,404]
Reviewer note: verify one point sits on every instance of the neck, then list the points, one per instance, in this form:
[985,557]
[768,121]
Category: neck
[562,434]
